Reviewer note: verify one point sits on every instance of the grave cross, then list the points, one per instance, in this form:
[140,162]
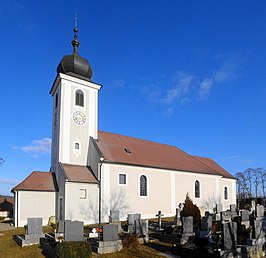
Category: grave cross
[159,215]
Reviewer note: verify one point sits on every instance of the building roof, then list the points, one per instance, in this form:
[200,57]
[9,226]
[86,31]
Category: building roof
[75,173]
[212,164]
[38,181]
[6,203]
[128,150]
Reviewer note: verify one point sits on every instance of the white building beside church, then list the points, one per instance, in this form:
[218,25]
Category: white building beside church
[93,172]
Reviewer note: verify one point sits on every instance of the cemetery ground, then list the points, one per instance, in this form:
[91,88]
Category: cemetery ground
[10,249]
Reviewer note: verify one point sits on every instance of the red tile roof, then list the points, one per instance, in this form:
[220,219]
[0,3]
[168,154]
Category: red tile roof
[76,173]
[212,164]
[6,203]
[38,181]
[128,150]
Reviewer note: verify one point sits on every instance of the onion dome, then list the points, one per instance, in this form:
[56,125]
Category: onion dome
[74,64]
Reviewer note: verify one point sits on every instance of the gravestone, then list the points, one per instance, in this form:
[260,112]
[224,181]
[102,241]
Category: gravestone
[131,218]
[226,216]
[232,207]
[74,231]
[187,223]
[142,227]
[159,215]
[219,209]
[110,232]
[34,228]
[177,217]
[33,233]
[114,215]
[259,211]
[253,205]
[110,240]
[187,226]
[206,223]
[245,218]
[229,235]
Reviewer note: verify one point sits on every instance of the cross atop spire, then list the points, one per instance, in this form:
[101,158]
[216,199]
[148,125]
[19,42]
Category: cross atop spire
[75,41]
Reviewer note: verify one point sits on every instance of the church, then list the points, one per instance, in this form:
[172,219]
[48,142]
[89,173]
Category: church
[93,172]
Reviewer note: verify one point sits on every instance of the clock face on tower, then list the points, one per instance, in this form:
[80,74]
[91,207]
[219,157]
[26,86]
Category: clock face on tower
[79,118]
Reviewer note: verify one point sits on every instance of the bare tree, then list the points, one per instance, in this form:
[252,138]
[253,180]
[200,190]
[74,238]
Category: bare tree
[262,176]
[256,180]
[242,185]
[248,173]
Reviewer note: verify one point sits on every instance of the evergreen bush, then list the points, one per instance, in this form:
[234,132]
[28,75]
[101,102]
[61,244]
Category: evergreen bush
[191,209]
[73,249]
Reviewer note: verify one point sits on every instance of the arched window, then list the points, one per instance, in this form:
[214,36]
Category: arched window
[197,189]
[143,186]
[79,98]
[225,193]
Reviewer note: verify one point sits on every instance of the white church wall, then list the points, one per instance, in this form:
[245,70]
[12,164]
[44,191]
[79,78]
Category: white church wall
[81,202]
[231,191]
[35,204]
[166,190]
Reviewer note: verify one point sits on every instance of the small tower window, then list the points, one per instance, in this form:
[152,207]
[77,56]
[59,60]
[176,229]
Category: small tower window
[143,186]
[225,193]
[76,146]
[197,189]
[79,98]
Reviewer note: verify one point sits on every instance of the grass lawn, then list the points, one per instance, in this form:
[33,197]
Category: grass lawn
[10,249]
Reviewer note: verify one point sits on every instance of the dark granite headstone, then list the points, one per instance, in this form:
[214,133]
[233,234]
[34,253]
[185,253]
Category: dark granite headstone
[74,231]
[206,223]
[110,232]
[229,235]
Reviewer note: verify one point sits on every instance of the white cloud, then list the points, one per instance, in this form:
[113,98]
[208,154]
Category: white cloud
[205,88]
[226,71]
[42,146]
[8,181]
[180,90]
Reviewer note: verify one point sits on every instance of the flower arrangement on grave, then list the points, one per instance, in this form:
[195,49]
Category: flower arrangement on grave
[60,239]
[100,231]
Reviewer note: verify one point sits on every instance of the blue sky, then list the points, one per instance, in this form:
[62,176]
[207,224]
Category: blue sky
[185,73]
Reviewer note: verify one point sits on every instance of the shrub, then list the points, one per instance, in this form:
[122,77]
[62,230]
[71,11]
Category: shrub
[73,249]
[130,240]
[191,209]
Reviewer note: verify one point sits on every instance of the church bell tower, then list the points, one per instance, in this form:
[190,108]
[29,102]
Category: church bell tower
[75,109]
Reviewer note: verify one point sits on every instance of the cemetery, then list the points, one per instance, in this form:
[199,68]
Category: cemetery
[235,232]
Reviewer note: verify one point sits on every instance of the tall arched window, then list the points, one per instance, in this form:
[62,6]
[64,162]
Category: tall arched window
[143,186]
[79,98]
[225,193]
[197,189]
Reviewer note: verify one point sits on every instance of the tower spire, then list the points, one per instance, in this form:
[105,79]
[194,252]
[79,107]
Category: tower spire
[75,41]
